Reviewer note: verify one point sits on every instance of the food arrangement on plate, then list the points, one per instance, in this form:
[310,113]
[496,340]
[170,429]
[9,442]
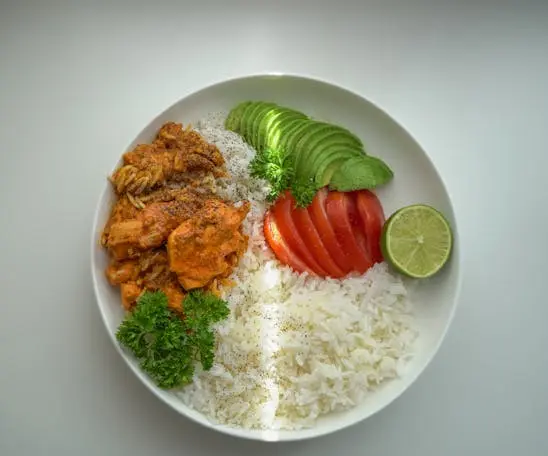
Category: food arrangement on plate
[261,281]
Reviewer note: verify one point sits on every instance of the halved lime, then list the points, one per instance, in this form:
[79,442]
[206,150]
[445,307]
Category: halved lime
[417,240]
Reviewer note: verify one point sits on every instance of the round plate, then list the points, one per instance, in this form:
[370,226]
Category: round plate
[416,181]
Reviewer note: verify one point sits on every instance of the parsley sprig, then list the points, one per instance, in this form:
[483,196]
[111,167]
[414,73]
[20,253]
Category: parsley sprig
[275,167]
[168,346]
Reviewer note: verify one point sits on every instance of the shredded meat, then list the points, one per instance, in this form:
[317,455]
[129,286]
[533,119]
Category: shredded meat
[167,229]
[175,152]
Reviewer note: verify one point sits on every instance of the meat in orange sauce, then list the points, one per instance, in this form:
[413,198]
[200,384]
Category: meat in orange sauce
[174,152]
[151,227]
[168,230]
[208,245]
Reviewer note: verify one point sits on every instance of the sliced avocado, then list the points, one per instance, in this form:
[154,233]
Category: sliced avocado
[288,143]
[285,133]
[251,115]
[273,113]
[322,135]
[330,160]
[232,121]
[331,143]
[329,136]
[246,121]
[360,173]
[258,115]
[280,130]
[302,147]
[329,170]
[271,121]
[276,123]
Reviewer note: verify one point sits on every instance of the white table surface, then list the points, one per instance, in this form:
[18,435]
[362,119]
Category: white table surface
[469,79]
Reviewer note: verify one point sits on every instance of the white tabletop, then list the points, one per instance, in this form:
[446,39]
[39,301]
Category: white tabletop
[77,83]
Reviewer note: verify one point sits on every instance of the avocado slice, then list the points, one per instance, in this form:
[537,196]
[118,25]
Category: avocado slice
[246,121]
[311,146]
[281,129]
[272,114]
[232,121]
[329,170]
[286,132]
[325,149]
[272,121]
[331,140]
[360,173]
[288,143]
[330,160]
[258,115]
[303,147]
[282,124]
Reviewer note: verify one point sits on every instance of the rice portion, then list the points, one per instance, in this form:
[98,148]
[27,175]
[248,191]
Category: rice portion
[295,347]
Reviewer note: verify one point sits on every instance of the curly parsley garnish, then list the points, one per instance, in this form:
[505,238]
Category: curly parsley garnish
[275,167]
[167,345]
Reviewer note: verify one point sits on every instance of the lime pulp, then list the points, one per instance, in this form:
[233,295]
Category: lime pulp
[417,241]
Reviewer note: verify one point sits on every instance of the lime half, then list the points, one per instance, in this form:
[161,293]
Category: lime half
[417,241]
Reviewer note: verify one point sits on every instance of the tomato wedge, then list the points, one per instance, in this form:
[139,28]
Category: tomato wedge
[372,221]
[321,221]
[314,243]
[356,223]
[278,244]
[337,208]
[283,213]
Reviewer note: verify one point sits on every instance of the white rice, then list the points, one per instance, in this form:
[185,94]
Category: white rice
[295,347]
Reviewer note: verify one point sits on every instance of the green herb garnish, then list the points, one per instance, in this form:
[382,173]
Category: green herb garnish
[275,168]
[272,166]
[167,345]
[303,192]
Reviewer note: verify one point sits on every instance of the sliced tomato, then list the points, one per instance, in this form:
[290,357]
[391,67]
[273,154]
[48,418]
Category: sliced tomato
[356,223]
[312,239]
[283,213]
[319,217]
[280,247]
[338,209]
[338,233]
[372,220]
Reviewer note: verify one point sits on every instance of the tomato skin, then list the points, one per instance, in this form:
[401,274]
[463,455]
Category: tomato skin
[278,244]
[313,242]
[338,210]
[283,213]
[372,221]
[321,221]
[356,224]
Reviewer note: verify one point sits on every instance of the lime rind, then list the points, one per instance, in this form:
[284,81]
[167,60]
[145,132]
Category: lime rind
[417,241]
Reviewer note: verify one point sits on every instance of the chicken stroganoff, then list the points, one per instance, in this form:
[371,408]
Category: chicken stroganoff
[168,230]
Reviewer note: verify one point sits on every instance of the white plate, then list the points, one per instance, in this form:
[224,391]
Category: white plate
[416,181]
